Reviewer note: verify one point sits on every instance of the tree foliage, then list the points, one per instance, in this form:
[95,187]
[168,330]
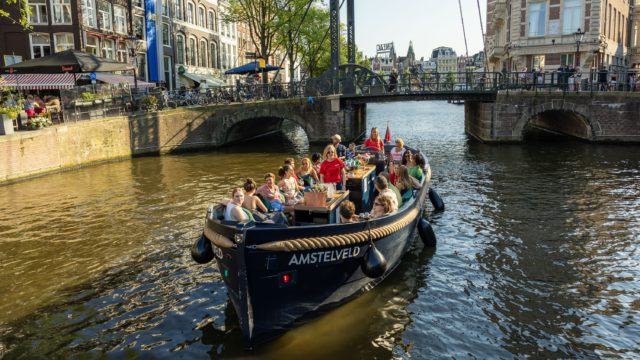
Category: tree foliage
[23,10]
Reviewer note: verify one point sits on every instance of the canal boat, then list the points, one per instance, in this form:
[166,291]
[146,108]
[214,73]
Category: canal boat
[279,276]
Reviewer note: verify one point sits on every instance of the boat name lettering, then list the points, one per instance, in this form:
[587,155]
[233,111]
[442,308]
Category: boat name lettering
[217,251]
[324,256]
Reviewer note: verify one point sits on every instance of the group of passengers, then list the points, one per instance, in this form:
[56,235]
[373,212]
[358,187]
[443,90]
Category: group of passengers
[395,187]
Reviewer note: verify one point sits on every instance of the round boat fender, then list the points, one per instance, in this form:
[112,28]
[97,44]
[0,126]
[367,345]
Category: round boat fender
[437,202]
[373,263]
[426,233]
[201,250]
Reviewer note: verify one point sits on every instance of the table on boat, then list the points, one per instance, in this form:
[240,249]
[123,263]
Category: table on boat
[360,186]
[327,214]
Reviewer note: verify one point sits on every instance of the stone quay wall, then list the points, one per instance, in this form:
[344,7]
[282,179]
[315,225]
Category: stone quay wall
[69,145]
[610,117]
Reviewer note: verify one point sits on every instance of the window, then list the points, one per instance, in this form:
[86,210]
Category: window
[92,45]
[61,11]
[38,11]
[223,58]
[191,52]
[63,41]
[108,49]
[165,8]
[104,11]
[202,51]
[141,63]
[201,21]
[180,49]
[179,12]
[167,72]
[537,17]
[214,56]
[571,16]
[210,22]
[190,13]
[538,62]
[137,3]
[138,27]
[120,17]
[122,52]
[89,12]
[165,34]
[566,59]
[40,45]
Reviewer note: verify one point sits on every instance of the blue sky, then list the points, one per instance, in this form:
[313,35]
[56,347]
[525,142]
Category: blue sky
[428,23]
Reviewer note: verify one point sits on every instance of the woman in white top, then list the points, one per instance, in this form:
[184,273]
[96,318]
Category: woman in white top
[233,211]
[290,186]
[398,151]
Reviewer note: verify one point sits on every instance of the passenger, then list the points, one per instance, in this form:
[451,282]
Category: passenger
[382,206]
[233,211]
[348,212]
[382,185]
[292,162]
[332,169]
[409,161]
[251,201]
[307,173]
[393,187]
[271,193]
[290,186]
[52,103]
[341,150]
[422,164]
[397,151]
[316,160]
[351,151]
[393,173]
[406,183]
[374,142]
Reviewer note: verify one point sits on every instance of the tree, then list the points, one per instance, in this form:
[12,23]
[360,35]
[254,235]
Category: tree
[24,12]
[292,19]
[262,18]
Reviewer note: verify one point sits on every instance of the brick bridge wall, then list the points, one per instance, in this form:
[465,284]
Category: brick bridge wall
[29,153]
[604,117]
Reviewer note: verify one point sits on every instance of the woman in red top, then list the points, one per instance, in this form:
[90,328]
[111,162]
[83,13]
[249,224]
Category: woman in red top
[332,169]
[374,142]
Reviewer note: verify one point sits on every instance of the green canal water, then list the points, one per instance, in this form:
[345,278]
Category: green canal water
[538,256]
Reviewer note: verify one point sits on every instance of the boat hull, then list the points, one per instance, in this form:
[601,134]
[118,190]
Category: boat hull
[273,291]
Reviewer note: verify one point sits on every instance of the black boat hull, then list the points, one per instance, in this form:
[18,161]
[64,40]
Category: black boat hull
[273,291]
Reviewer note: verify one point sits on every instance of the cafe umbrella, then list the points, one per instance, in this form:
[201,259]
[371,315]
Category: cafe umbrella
[68,61]
[251,68]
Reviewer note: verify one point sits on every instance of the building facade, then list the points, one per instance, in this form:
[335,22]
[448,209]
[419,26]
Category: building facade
[445,59]
[547,34]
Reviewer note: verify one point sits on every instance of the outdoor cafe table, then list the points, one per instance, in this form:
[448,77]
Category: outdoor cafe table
[327,214]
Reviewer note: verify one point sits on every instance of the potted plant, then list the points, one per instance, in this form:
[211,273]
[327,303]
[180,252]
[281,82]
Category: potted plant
[38,122]
[149,102]
[7,115]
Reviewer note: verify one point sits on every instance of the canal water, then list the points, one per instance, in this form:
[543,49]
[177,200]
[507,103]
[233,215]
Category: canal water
[538,255]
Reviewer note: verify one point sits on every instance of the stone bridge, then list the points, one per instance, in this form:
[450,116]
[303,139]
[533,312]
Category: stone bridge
[597,117]
[218,125]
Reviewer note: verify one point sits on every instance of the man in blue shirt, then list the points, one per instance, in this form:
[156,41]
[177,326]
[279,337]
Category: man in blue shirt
[341,150]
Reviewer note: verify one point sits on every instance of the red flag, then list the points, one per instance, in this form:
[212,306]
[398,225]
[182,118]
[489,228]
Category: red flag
[387,135]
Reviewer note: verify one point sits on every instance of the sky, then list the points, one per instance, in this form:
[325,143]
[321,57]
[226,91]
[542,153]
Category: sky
[428,23]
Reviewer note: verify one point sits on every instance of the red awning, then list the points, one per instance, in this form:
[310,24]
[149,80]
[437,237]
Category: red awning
[119,79]
[38,81]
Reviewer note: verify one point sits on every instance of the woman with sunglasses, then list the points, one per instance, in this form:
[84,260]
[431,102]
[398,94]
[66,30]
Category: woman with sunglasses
[381,207]
[332,169]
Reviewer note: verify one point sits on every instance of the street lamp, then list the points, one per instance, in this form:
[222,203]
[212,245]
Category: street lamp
[131,44]
[578,35]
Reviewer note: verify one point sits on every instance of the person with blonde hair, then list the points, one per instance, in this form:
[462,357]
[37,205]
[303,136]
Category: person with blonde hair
[233,210]
[307,173]
[332,169]
[374,142]
[397,151]
[382,206]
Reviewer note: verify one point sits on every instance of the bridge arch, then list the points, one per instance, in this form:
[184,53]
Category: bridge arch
[254,124]
[559,117]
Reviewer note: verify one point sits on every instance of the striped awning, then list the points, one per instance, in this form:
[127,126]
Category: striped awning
[37,81]
[119,79]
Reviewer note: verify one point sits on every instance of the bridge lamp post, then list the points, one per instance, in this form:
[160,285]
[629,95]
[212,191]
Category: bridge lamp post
[131,42]
[578,36]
